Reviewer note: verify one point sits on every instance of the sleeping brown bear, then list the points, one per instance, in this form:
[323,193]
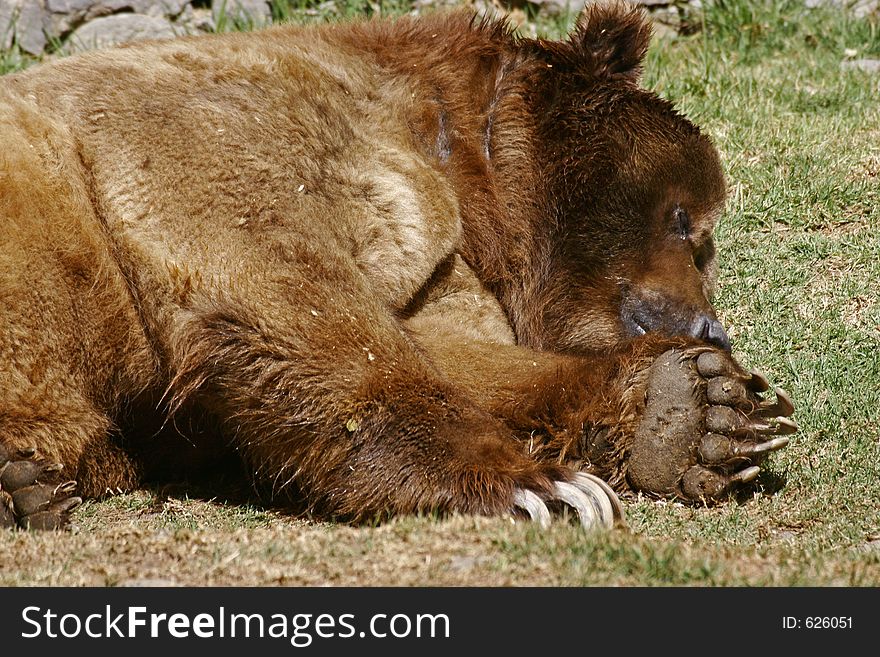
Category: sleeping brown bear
[389,267]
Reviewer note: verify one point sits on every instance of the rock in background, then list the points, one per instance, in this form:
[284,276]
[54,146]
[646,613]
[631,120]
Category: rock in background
[40,25]
[255,13]
[859,8]
[119,28]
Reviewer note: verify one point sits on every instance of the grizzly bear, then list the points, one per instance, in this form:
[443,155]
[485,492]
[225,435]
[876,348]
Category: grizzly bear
[387,267]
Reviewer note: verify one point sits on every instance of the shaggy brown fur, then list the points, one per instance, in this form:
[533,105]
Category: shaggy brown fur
[386,263]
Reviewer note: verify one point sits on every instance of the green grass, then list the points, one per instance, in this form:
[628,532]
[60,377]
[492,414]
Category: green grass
[14,59]
[799,290]
[800,256]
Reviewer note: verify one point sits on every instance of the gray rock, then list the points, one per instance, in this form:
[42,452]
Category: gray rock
[464,564]
[421,5]
[69,6]
[866,65]
[193,21]
[93,8]
[8,14]
[667,16]
[67,15]
[147,7]
[859,8]
[119,28]
[31,26]
[64,15]
[251,12]
[554,7]
[872,545]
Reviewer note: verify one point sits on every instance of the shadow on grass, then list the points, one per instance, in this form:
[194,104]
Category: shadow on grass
[768,483]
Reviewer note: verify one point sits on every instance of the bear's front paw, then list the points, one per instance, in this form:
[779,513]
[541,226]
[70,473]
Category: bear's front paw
[705,428]
[33,495]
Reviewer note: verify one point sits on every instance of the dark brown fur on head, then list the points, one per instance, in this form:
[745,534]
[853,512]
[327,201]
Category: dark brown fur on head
[628,194]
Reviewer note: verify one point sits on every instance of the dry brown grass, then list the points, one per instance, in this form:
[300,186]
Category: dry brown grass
[132,540]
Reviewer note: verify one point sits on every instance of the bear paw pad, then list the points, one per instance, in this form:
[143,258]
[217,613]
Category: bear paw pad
[705,428]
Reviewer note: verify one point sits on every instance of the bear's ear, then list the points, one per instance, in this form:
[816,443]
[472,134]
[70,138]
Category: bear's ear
[611,38]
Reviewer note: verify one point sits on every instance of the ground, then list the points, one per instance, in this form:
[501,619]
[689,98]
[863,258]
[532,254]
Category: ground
[798,291]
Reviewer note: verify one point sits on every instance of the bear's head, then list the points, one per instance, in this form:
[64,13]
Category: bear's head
[632,190]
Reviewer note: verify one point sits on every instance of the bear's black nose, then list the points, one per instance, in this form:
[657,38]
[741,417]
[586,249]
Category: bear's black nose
[710,329]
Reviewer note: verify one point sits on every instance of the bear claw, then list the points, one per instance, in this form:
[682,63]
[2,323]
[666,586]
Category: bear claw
[782,407]
[56,516]
[533,505]
[18,474]
[716,449]
[702,483]
[595,503]
[758,382]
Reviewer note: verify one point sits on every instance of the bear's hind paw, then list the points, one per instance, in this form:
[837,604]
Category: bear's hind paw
[596,504]
[32,494]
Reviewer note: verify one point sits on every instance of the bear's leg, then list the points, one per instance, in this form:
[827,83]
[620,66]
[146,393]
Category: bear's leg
[332,404]
[59,381]
[68,329]
[54,447]
[672,418]
[51,430]
[41,442]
